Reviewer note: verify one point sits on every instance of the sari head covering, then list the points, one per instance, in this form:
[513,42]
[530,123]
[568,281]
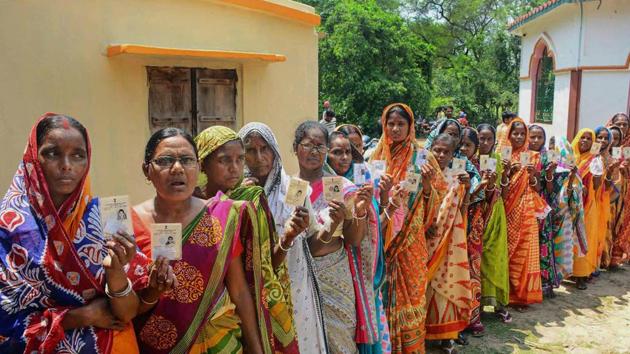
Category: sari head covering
[523,207]
[441,128]
[601,128]
[625,140]
[568,213]
[305,301]
[594,209]
[583,159]
[51,262]
[208,141]
[277,181]
[270,287]
[397,157]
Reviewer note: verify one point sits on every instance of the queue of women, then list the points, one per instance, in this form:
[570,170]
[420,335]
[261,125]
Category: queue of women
[388,269]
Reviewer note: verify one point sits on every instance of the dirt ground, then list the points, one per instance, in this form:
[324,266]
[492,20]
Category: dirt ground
[596,320]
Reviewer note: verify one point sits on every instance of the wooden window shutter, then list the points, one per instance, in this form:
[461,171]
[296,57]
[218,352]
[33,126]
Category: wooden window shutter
[169,98]
[215,98]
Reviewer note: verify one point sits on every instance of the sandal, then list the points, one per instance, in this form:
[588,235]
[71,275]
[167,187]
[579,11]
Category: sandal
[461,339]
[581,284]
[448,347]
[504,316]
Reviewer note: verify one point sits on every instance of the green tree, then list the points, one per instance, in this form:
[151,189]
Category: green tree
[369,58]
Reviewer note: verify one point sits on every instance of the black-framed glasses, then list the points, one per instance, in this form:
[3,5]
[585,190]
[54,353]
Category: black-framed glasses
[318,149]
[169,161]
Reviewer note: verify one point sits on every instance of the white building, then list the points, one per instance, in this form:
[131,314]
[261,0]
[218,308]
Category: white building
[575,63]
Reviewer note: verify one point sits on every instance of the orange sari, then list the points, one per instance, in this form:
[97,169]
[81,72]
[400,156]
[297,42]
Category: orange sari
[449,293]
[523,207]
[594,212]
[405,246]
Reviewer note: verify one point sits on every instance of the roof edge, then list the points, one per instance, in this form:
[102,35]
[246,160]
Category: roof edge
[537,12]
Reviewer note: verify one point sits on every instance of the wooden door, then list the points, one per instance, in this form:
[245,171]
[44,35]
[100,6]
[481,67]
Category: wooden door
[215,98]
[170,98]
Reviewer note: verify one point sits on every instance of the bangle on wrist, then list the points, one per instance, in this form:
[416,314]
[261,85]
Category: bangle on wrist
[326,242]
[126,291]
[549,180]
[387,215]
[354,214]
[506,183]
[282,247]
[148,302]
[535,182]
[391,202]
[494,188]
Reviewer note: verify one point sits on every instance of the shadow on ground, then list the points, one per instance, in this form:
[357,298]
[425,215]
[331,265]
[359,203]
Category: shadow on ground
[596,320]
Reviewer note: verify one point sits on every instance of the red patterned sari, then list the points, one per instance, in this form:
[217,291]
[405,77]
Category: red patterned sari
[198,316]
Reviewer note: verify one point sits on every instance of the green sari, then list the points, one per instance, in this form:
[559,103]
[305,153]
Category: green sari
[495,286]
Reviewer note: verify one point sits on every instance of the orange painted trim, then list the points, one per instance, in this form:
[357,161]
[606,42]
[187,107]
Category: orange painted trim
[279,10]
[119,49]
[622,67]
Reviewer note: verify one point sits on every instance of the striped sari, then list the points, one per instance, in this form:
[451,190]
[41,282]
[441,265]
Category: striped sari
[523,208]
[197,316]
[344,279]
[276,293]
[449,296]
[405,245]
[620,215]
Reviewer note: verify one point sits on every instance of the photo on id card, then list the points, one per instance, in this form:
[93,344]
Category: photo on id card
[361,174]
[458,165]
[506,153]
[296,192]
[596,148]
[412,180]
[421,157]
[333,188]
[379,168]
[115,215]
[166,241]
[525,158]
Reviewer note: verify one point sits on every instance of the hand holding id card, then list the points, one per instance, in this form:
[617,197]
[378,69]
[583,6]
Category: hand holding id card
[506,153]
[596,148]
[616,153]
[115,216]
[296,192]
[458,165]
[626,153]
[166,241]
[379,168]
[421,157]
[552,156]
[333,189]
[411,182]
[525,159]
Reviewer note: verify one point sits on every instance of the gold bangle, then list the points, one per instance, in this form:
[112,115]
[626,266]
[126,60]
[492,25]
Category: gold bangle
[285,249]
[326,242]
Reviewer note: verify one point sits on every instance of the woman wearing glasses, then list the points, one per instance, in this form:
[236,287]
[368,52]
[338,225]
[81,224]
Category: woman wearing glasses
[264,168]
[347,310]
[211,308]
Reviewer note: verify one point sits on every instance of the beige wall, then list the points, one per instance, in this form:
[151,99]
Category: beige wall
[52,59]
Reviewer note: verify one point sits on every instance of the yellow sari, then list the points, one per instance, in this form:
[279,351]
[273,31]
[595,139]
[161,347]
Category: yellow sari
[594,212]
